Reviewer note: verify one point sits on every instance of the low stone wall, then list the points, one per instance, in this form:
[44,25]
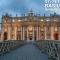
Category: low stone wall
[50,47]
[7,46]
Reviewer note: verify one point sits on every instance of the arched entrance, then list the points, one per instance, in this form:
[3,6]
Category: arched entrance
[42,37]
[35,35]
[30,33]
[56,36]
[5,35]
[18,35]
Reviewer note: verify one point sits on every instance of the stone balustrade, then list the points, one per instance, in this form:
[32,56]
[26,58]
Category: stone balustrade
[50,47]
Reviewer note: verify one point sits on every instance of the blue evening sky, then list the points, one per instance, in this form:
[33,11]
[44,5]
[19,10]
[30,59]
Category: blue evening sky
[23,6]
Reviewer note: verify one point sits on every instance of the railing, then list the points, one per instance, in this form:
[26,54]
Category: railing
[50,47]
[7,46]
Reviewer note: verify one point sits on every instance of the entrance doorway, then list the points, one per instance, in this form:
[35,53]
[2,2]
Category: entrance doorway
[5,35]
[30,33]
[56,36]
[18,35]
[30,37]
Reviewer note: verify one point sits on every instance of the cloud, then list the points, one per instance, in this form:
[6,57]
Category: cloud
[22,6]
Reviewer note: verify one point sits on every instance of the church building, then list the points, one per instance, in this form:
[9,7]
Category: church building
[30,27]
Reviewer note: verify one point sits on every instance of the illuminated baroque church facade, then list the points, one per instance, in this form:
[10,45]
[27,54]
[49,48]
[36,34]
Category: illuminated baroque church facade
[30,27]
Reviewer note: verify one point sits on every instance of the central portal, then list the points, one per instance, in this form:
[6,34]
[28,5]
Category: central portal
[30,33]
[30,36]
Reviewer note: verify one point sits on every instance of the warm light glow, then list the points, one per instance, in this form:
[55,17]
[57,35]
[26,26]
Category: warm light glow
[19,29]
[47,20]
[56,29]
[55,20]
[19,20]
[42,20]
[5,30]
[30,33]
[42,29]
[13,20]
[30,28]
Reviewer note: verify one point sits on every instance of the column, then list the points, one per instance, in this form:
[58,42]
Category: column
[59,32]
[27,35]
[15,33]
[45,33]
[37,32]
[52,33]
[33,33]
[13,29]
[23,34]
[2,34]
[9,33]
